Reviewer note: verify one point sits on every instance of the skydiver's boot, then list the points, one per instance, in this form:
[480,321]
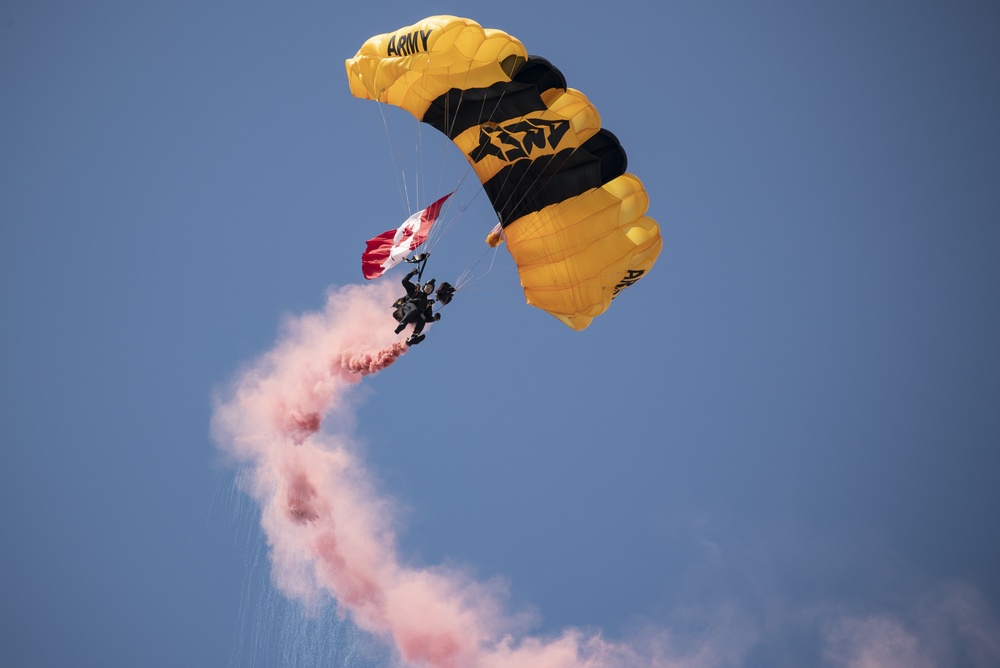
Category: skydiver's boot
[400,327]
[415,339]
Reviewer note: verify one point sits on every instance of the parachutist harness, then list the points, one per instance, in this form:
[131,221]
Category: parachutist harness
[404,306]
[444,293]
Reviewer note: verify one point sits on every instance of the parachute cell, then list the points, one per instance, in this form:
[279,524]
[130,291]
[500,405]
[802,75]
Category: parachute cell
[573,218]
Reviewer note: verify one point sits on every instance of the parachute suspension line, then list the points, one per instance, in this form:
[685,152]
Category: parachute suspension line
[445,223]
[508,176]
[439,232]
[507,179]
[450,128]
[398,172]
[419,167]
[422,184]
[539,222]
[423,175]
[446,220]
[448,216]
[450,132]
[466,278]
[551,175]
[513,188]
[496,250]
[477,156]
[470,168]
[524,191]
[489,118]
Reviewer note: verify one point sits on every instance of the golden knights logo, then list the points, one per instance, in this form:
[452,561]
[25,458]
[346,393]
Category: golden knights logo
[517,140]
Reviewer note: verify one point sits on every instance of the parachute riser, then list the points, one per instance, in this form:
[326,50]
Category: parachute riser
[421,263]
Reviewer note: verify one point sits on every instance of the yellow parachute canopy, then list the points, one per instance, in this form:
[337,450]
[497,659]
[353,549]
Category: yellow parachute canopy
[573,218]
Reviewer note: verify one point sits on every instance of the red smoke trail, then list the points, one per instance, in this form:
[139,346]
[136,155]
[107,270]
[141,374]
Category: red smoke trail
[330,532]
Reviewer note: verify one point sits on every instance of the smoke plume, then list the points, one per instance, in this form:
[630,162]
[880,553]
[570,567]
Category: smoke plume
[330,532]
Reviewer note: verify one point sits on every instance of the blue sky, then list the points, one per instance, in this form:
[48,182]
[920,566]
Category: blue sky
[788,428]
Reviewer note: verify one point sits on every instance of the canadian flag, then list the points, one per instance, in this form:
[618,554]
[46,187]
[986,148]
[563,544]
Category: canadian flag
[389,248]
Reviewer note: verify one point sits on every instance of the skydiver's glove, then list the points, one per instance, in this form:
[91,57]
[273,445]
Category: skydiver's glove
[437,316]
[413,272]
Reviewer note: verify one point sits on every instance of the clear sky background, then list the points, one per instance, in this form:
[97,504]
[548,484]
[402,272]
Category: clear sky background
[787,433]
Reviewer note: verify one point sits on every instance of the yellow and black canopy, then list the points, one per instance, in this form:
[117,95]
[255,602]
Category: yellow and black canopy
[573,218]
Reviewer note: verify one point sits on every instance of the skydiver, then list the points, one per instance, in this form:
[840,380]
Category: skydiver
[416,306]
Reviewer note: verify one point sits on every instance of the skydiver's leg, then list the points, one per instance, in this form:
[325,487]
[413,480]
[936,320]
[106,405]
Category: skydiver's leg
[410,313]
[415,336]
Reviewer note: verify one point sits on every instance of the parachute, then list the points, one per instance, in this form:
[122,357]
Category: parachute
[573,218]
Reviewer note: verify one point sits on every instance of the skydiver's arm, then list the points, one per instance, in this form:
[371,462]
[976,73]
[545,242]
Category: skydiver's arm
[410,287]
